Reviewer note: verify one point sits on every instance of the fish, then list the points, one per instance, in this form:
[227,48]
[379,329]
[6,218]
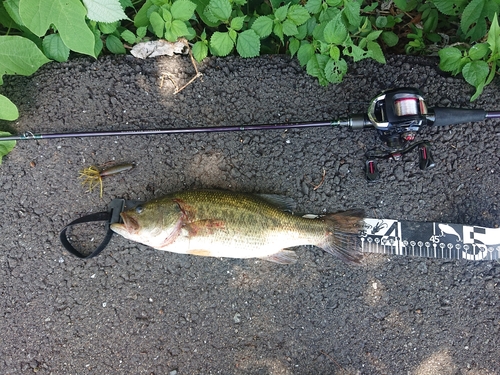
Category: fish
[226,224]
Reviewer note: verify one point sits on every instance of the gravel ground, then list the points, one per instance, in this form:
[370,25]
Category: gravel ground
[134,310]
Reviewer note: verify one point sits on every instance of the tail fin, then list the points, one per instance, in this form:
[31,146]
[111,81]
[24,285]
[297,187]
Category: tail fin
[343,240]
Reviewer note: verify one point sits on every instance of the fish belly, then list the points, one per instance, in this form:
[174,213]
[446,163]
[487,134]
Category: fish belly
[236,245]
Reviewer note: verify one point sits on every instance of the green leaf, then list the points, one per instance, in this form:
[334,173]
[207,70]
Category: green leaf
[248,44]
[450,7]
[302,31]
[289,28]
[141,18]
[281,12]
[479,91]
[204,14]
[370,8]
[170,35]
[114,45]
[374,35]
[333,3]
[475,72]
[98,46]
[54,48]
[494,38]
[8,110]
[5,146]
[278,30]
[313,6]
[220,9]
[104,10]
[316,68]
[406,5]
[305,52]
[68,16]
[128,36]
[233,35]
[335,70]
[431,21]
[334,53]
[298,14]
[275,3]
[237,23]
[126,4]
[479,51]
[449,59]
[179,28]
[381,22]
[356,52]
[493,70]
[389,38]
[141,32]
[376,52]
[191,33]
[19,55]
[263,26]
[108,28]
[12,8]
[158,24]
[352,11]
[293,46]
[167,16]
[182,10]
[471,14]
[329,13]
[335,31]
[200,50]
[221,44]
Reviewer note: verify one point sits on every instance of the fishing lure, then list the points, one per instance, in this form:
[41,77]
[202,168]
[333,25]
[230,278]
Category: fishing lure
[93,175]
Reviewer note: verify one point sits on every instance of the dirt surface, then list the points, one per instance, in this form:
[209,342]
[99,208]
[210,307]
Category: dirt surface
[134,310]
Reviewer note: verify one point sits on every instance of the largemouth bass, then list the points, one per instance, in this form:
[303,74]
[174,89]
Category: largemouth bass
[237,225]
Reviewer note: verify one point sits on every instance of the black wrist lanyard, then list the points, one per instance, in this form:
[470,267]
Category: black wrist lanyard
[116,207]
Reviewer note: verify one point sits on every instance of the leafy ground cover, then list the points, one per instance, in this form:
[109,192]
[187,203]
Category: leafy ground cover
[324,35]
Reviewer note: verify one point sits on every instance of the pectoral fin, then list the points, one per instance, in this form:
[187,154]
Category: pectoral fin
[282,257]
[176,231]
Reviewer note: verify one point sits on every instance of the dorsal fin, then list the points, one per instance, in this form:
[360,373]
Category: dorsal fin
[280,201]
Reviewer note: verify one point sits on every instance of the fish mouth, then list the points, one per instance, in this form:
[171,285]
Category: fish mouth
[131,224]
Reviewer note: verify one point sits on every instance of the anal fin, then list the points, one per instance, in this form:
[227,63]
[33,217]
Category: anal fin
[282,257]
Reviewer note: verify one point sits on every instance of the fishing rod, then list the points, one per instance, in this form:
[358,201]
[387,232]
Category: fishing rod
[397,115]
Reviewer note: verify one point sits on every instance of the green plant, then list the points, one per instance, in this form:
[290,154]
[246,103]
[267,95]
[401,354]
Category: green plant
[37,32]
[478,64]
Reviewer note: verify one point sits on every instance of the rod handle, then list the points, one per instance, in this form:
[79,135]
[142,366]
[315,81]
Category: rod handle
[453,116]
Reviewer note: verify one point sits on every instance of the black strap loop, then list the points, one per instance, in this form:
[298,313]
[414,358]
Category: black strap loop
[99,216]
[115,207]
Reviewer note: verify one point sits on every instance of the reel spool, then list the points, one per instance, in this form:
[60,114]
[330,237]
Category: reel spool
[398,115]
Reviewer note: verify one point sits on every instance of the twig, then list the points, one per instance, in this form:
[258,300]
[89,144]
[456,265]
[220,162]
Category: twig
[322,180]
[197,75]
[332,359]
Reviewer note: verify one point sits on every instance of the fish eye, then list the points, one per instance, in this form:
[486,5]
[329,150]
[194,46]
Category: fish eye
[139,209]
